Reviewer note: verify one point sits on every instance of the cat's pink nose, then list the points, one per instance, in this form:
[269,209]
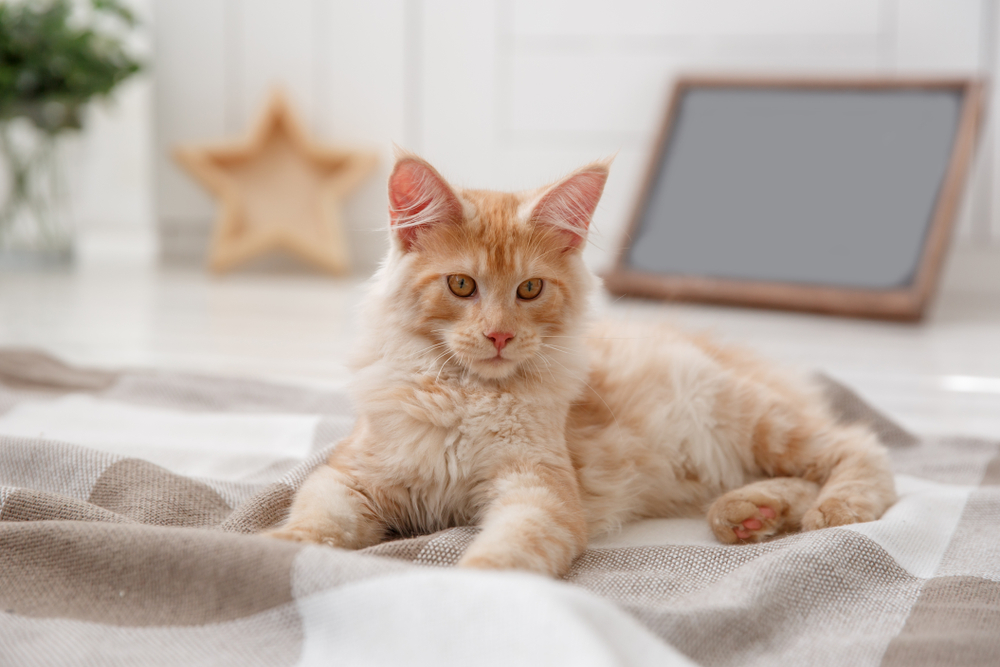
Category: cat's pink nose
[499,338]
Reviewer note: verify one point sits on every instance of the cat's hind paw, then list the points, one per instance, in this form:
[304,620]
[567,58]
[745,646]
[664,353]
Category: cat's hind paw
[748,527]
[742,520]
[305,535]
[762,509]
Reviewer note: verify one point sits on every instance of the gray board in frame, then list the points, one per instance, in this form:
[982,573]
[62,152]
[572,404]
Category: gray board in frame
[834,196]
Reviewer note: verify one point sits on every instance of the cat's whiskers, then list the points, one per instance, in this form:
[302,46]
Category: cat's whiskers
[605,337]
[420,354]
[443,343]
[450,357]
[548,367]
[422,350]
[529,369]
[449,352]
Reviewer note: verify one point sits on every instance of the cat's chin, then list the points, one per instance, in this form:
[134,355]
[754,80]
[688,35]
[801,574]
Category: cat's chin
[496,368]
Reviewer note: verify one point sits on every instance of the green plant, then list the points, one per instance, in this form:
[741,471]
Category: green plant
[53,59]
[55,56]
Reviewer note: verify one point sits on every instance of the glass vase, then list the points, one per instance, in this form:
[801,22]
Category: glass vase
[35,226]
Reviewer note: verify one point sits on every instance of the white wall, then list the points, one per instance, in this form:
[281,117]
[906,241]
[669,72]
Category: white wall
[111,181]
[512,93]
[111,177]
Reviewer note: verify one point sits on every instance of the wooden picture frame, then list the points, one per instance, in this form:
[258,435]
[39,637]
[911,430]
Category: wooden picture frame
[907,303]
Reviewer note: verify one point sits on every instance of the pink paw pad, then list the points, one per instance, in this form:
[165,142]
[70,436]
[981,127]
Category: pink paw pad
[745,530]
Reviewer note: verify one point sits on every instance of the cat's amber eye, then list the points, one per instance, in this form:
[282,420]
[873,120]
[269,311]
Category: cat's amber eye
[461,285]
[530,288]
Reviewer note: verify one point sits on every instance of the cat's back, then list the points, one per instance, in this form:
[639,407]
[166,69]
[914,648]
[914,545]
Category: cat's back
[629,362]
[647,378]
[628,359]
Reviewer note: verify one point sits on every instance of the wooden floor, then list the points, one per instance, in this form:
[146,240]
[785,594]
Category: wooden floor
[940,377]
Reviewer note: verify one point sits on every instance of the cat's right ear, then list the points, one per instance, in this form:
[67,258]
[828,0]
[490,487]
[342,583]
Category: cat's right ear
[419,197]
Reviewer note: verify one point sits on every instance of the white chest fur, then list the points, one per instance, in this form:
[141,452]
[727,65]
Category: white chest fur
[443,440]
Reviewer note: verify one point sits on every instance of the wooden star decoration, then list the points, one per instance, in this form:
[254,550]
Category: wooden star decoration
[279,190]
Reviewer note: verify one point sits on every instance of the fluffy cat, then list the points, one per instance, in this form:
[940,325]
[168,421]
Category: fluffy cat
[486,397]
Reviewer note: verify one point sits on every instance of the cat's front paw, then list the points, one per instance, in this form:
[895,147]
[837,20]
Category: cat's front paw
[512,560]
[486,562]
[306,535]
[834,512]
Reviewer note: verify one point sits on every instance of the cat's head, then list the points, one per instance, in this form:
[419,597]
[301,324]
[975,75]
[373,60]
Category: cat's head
[494,281]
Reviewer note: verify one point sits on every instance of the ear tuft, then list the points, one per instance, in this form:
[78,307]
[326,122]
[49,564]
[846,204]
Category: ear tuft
[418,197]
[569,205]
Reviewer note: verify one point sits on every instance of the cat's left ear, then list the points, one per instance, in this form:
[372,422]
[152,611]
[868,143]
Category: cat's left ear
[569,205]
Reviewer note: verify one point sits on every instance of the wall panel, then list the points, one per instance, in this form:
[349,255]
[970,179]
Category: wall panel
[361,95]
[511,93]
[705,17]
[190,98]
[277,48]
[939,35]
[572,92]
[459,90]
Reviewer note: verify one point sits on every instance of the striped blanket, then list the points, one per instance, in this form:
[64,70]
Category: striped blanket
[129,502]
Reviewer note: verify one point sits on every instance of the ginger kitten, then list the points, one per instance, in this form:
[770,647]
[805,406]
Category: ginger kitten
[486,397]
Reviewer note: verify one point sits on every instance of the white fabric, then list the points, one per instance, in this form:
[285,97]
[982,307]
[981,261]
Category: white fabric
[197,444]
[916,530]
[657,532]
[440,617]
[446,617]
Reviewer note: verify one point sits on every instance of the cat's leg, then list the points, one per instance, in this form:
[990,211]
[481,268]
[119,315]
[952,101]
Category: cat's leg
[759,510]
[858,484]
[534,521]
[328,510]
